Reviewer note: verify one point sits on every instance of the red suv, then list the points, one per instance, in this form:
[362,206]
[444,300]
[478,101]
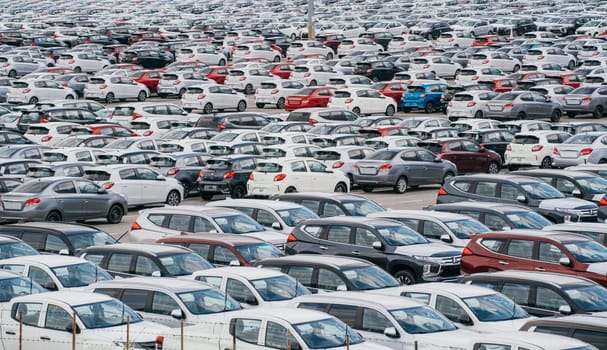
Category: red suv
[530,250]
[467,155]
[309,97]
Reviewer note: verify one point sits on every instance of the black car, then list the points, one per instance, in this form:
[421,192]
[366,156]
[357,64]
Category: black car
[183,166]
[332,204]
[377,71]
[518,190]
[544,294]
[44,42]
[493,139]
[517,26]
[11,37]
[226,175]
[400,251]
[244,120]
[430,29]
[147,58]
[496,216]
[75,81]
[580,184]
[250,148]
[331,273]
[58,238]
[381,38]
[72,115]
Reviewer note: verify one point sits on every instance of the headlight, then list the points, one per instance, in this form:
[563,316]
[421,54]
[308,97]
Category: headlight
[432,259]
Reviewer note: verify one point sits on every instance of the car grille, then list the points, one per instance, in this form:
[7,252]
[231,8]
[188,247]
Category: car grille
[587,212]
[150,345]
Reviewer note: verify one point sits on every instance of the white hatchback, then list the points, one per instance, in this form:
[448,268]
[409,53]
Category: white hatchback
[109,89]
[362,101]
[275,92]
[32,92]
[211,98]
[533,148]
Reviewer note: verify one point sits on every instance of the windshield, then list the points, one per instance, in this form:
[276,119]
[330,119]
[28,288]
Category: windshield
[581,139]
[422,319]
[587,251]
[80,275]
[463,228]
[17,286]
[208,301]
[400,235]
[594,185]
[279,288]
[364,122]
[528,220]
[225,137]
[175,135]
[83,240]
[238,223]
[494,307]
[362,207]
[540,190]
[369,277]
[105,314]
[589,299]
[382,155]
[184,264]
[321,129]
[293,216]
[327,333]
[254,252]
[13,249]
[120,144]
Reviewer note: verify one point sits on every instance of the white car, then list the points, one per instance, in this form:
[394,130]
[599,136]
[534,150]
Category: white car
[469,104]
[205,54]
[351,81]
[82,62]
[392,27]
[473,27]
[237,136]
[210,98]
[141,185]
[533,148]
[275,92]
[362,101]
[256,51]
[252,286]
[542,55]
[295,174]
[396,141]
[289,151]
[454,39]
[473,124]
[152,126]
[101,323]
[442,66]
[114,88]
[527,340]
[314,75]
[554,92]
[495,59]
[473,75]
[125,113]
[49,133]
[56,272]
[70,154]
[424,123]
[592,28]
[349,46]
[309,47]
[32,92]
[406,41]
[176,83]
[247,79]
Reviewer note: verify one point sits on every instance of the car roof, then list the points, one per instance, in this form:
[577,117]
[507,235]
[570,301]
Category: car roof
[441,215]
[345,220]
[286,314]
[389,302]
[544,341]
[577,226]
[69,297]
[500,207]
[556,236]
[493,177]
[557,279]
[581,319]
[66,228]
[257,203]
[139,247]
[175,285]
[322,195]
[193,209]
[233,240]
[458,290]
[329,260]
[250,273]
[560,172]
[45,259]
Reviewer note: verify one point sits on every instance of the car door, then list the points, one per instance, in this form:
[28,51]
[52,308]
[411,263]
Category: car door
[453,310]
[31,314]
[94,202]
[517,254]
[362,247]
[54,90]
[218,97]
[154,185]
[476,159]
[457,155]
[69,200]
[55,328]
[245,334]
[131,187]
[433,170]
[322,179]
[548,258]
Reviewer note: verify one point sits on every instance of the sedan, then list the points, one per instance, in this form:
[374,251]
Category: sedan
[584,148]
[523,105]
[62,199]
[586,99]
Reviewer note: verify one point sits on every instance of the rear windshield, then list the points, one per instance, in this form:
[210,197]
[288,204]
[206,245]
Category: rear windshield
[382,155]
[268,85]
[267,167]
[54,157]
[305,92]
[217,164]
[526,140]
[31,187]
[40,172]
[162,161]
[342,94]
[37,130]
[123,111]
[460,97]
[236,73]
[299,116]
[467,72]
[140,125]
[416,89]
[327,155]
[195,90]
[96,175]
[20,84]
[96,81]
[170,77]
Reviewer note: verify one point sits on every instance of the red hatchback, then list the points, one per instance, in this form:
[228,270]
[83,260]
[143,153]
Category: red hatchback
[218,74]
[467,155]
[149,78]
[489,40]
[309,97]
[392,89]
[544,251]
[282,70]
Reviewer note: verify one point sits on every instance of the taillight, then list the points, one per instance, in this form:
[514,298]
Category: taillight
[32,201]
[471,104]
[475,77]
[103,86]
[6,65]
[135,226]
[280,177]
[72,62]
[108,185]
[450,104]
[291,238]
[423,95]
[555,151]
[176,82]
[229,174]
[540,57]
[586,151]
[148,133]
[466,252]
[586,99]
[509,105]
[274,92]
[369,71]
[46,138]
[385,167]
[242,78]
[160,340]
[43,120]
[201,97]
[251,177]
[313,121]
[26,91]
[136,115]
[201,174]
[348,100]
[307,74]
[65,85]
[603,201]
[442,192]
[426,66]
[508,148]
[220,127]
[537,148]
[172,172]
[485,62]
[338,165]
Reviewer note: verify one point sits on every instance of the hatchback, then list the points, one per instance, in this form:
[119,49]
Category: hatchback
[309,97]
[467,155]
[209,98]
[425,97]
[226,175]
[533,148]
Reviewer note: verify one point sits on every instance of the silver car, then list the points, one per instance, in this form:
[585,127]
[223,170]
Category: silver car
[62,199]
[522,105]
[586,148]
[586,99]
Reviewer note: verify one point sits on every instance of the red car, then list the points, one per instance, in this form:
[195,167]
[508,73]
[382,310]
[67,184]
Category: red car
[114,130]
[331,40]
[309,97]
[282,70]
[392,89]
[574,80]
[545,251]
[392,130]
[489,40]
[219,74]
[127,66]
[149,78]
[500,85]
[466,154]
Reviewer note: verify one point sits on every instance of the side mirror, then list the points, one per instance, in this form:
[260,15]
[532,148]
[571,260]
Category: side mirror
[565,261]
[521,198]
[102,191]
[251,300]
[482,149]
[178,314]
[576,193]
[276,225]
[378,245]
[234,263]
[69,329]
[391,332]
[160,178]
[465,320]
[565,309]
[156,274]
[64,252]
[342,288]
[184,113]
[446,238]
[437,160]
[506,228]
[51,286]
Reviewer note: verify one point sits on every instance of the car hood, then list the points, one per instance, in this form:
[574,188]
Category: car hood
[566,203]
[499,326]
[598,268]
[273,237]
[430,249]
[144,331]
[459,339]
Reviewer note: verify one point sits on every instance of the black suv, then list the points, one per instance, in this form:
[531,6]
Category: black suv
[377,71]
[394,247]
[147,58]
[233,121]
[518,25]
[430,29]
[226,175]
[519,190]
[333,204]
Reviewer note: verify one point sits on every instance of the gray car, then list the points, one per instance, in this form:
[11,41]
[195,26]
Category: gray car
[18,66]
[62,199]
[523,105]
[585,148]
[402,168]
[586,99]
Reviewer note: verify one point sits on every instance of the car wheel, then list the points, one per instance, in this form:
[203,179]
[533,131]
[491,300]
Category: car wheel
[329,56]
[375,79]
[115,214]
[472,34]
[181,92]
[341,187]
[514,167]
[603,161]
[406,109]
[186,189]
[238,192]
[456,73]
[222,62]
[390,110]
[556,116]
[141,96]
[598,112]
[313,83]
[401,185]
[208,108]
[293,36]
[207,196]
[173,198]
[162,95]
[280,104]
[571,114]
[405,277]
[109,98]
[53,216]
[493,168]
[429,108]
[242,106]
[367,188]
[260,105]
[447,177]
[248,90]
[356,111]
[516,68]
[12,73]
[546,163]
[521,116]
[571,65]
[276,59]
[33,100]
[77,69]
[478,114]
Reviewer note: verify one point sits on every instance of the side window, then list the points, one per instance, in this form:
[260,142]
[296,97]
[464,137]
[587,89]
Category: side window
[329,280]
[345,313]
[265,218]
[339,234]
[180,222]
[494,245]
[508,191]
[210,280]
[491,346]
[57,318]
[222,256]
[202,225]
[432,230]
[311,204]
[374,321]
[450,309]
[302,273]
[128,174]
[65,187]
[120,263]
[41,277]
[54,244]
[495,222]
[163,304]
[332,210]
[550,253]
[486,189]
[145,266]
[239,291]
[314,231]
[135,298]
[200,249]
[29,311]
[158,219]
[548,299]
[565,186]
[364,237]
[596,338]
[276,337]
[463,185]
[520,248]
[519,293]
[95,258]
[246,330]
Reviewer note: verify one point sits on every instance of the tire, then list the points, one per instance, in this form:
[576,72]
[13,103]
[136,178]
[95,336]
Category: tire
[472,34]
[456,73]
[556,116]
[77,69]
[163,95]
[407,109]
[405,277]
[603,161]
[521,116]
[571,114]
[514,167]
[181,92]
[208,108]
[173,198]
[390,110]
[546,163]
[186,189]
[33,100]
[291,190]
[222,62]
[478,114]
[447,177]
[341,187]
[248,90]
[69,97]
[493,168]
[238,192]
[207,196]
[12,73]
[142,96]
[115,214]
[429,108]
[109,98]
[280,104]
[367,188]
[356,111]
[329,56]
[401,185]
[260,105]
[293,36]
[242,106]
[598,112]
[375,79]
[516,68]
[571,65]
[53,216]
[313,83]
[276,59]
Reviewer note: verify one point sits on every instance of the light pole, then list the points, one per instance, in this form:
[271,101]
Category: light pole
[310,19]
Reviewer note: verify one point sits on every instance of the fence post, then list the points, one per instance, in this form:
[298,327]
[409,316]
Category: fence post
[347,340]
[181,335]
[288,339]
[415,345]
[128,332]
[234,335]
[20,329]
[74,331]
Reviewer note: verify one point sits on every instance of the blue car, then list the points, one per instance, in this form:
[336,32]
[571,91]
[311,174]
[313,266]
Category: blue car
[424,96]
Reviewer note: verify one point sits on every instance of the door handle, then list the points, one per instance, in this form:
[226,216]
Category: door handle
[45,338]
[10,333]
[323,247]
[503,262]
[355,253]
[540,269]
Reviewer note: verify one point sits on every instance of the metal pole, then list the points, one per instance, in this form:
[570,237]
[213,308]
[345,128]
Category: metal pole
[74,331]
[234,335]
[128,331]
[20,329]
[288,339]
[181,326]
[310,19]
